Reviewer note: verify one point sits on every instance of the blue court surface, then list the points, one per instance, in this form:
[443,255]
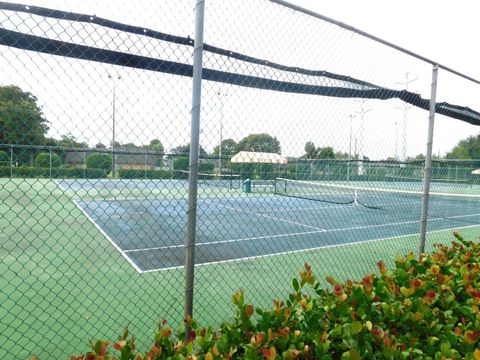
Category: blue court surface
[150,233]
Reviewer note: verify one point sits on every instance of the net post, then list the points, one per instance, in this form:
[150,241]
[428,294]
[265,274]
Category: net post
[428,161]
[193,166]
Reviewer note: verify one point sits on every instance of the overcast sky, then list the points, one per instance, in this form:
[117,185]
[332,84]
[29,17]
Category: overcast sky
[76,95]
[440,30]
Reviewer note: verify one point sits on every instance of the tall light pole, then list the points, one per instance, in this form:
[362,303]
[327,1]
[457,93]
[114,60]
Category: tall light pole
[113,122]
[221,97]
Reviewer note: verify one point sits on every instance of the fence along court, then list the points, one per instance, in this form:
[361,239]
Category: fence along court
[114,165]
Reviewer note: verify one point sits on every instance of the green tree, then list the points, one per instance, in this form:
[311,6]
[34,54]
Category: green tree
[206,167]
[310,150]
[99,161]
[43,160]
[259,143]
[127,146]
[21,119]
[100,146]
[69,141]
[181,163]
[185,150]
[155,145]
[228,148]
[325,153]
[466,149]
[341,155]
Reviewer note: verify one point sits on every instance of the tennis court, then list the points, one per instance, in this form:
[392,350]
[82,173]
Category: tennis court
[284,217]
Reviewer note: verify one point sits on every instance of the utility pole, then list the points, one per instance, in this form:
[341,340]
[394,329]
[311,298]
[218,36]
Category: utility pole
[403,147]
[351,116]
[362,113]
[113,121]
[221,96]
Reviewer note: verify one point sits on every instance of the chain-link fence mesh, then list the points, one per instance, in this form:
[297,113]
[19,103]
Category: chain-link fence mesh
[312,149]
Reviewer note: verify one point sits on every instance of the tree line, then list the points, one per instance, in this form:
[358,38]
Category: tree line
[22,122]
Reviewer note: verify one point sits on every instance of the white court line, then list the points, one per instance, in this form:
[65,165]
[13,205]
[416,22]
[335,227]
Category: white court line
[307,250]
[272,217]
[319,230]
[130,261]
[225,241]
[219,242]
[326,204]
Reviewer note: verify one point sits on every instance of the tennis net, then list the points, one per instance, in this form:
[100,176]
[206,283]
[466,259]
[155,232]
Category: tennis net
[442,205]
[225,181]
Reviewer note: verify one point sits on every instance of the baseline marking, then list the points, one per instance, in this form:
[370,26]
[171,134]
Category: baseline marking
[307,250]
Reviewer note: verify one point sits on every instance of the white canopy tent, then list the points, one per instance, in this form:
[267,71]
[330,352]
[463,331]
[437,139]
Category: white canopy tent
[258,157]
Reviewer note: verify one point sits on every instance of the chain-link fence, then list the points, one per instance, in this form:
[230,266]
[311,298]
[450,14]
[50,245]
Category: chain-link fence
[312,144]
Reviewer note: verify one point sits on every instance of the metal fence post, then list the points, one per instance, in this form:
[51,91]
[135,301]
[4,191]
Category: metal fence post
[50,162]
[193,166]
[11,161]
[145,167]
[428,161]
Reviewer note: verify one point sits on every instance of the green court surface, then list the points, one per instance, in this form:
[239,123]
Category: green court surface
[64,282]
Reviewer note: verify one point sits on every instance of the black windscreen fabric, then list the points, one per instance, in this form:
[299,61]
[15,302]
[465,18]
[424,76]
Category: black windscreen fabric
[352,88]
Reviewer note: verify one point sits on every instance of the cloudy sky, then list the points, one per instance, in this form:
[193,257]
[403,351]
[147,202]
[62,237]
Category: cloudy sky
[439,30]
[77,96]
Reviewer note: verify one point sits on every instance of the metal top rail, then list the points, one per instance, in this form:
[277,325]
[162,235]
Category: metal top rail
[372,37]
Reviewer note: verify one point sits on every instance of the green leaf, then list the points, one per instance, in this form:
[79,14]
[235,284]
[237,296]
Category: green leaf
[190,348]
[357,327]
[348,330]
[445,348]
[295,284]
[351,354]
[98,346]
[222,344]
[354,355]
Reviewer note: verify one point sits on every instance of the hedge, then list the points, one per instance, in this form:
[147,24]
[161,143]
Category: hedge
[144,174]
[425,307]
[99,161]
[57,173]
[46,160]
[4,158]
